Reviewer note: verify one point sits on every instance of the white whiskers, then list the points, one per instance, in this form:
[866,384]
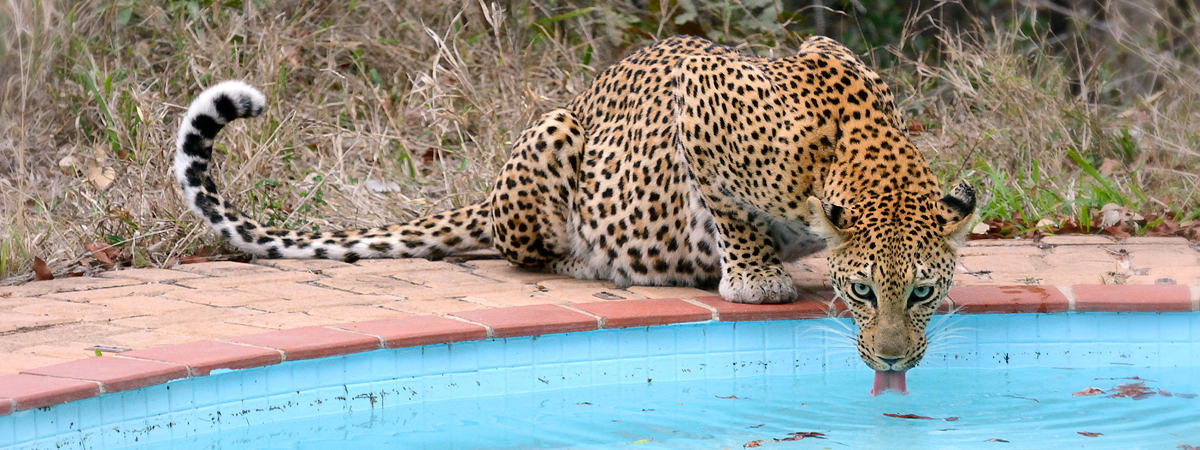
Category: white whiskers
[943,334]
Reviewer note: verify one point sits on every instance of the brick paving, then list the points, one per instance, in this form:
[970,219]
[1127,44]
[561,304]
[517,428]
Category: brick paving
[49,323]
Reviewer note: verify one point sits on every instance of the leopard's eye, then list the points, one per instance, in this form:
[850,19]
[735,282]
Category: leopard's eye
[861,290]
[864,293]
[920,294]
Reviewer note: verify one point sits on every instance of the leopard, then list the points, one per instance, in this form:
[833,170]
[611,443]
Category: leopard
[686,163]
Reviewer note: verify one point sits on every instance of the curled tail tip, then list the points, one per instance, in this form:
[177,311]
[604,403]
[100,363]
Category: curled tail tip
[229,100]
[211,111]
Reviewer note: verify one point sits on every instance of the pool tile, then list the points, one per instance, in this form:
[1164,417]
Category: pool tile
[1008,299]
[576,348]
[435,359]
[603,345]
[804,309]
[531,320]
[548,350]
[32,391]
[205,356]
[311,342]
[1132,298]
[641,313]
[661,341]
[418,330]
[114,372]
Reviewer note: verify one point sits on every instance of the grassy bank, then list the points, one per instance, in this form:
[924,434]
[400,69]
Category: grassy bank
[380,112]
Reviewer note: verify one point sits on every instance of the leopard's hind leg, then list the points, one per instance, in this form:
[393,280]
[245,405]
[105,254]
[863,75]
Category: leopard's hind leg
[533,203]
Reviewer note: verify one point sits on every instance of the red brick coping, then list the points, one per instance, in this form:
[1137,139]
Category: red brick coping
[60,383]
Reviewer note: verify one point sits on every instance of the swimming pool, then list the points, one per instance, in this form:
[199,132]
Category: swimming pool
[995,378]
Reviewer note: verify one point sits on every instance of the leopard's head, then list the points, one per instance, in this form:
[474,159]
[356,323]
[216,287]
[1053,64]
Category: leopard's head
[892,260]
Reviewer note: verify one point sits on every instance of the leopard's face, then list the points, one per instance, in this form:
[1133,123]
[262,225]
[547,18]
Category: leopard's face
[892,289]
[893,265]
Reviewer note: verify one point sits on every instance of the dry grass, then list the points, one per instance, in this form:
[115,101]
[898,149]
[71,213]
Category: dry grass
[420,98]
[1006,109]
[382,111]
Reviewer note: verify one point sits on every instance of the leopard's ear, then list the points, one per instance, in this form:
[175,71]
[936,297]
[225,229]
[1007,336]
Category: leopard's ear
[831,222]
[956,212]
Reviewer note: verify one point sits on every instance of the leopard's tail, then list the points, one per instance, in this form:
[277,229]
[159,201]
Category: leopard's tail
[432,237]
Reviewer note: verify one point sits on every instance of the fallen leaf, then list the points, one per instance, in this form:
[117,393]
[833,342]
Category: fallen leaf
[1185,395]
[996,440]
[1117,231]
[68,165]
[907,416]
[754,443]
[1088,392]
[100,254]
[729,397]
[100,175]
[1090,434]
[1164,393]
[5,294]
[381,186]
[41,272]
[951,419]
[1108,166]
[193,259]
[641,441]
[1187,447]
[583,403]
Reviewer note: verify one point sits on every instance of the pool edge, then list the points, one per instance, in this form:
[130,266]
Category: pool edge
[158,365]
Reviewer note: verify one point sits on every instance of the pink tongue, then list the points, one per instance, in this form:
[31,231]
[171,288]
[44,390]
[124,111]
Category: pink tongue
[885,380]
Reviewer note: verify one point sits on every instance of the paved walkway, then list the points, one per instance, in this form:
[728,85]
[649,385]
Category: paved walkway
[50,322]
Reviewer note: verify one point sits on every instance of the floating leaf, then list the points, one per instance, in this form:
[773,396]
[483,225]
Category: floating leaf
[951,419]
[996,440]
[1136,391]
[641,441]
[1090,434]
[757,443]
[729,397]
[803,434]
[1088,392]
[908,416]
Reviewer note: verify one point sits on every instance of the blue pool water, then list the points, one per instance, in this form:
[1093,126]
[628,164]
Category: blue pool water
[1008,379]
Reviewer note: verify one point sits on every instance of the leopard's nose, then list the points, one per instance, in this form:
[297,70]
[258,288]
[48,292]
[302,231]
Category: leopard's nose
[890,361]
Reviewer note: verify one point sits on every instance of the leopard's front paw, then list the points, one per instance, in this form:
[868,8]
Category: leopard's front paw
[758,285]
